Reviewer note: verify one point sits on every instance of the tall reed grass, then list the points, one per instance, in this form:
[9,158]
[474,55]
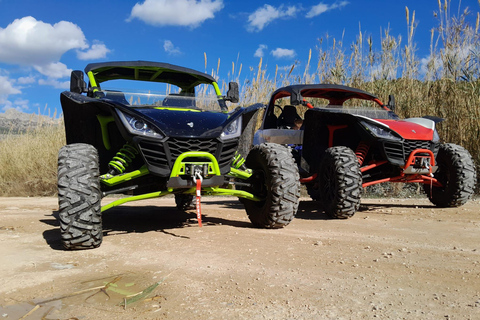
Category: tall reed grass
[444,84]
[28,161]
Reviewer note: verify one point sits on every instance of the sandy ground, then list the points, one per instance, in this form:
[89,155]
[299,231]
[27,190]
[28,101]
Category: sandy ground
[395,259]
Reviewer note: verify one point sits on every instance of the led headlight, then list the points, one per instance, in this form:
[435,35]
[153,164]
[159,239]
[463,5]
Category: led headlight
[380,132]
[138,126]
[232,130]
[436,137]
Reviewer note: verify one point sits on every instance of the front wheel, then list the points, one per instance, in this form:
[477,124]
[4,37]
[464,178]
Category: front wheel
[275,180]
[79,197]
[185,201]
[456,172]
[340,183]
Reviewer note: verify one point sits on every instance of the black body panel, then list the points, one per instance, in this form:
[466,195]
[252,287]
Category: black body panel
[183,131]
[160,155]
[184,78]
[317,134]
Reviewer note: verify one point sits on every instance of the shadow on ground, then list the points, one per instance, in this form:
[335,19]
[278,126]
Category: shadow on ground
[140,219]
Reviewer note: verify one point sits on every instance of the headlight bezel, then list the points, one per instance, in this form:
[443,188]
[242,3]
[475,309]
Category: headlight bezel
[381,132]
[138,126]
[232,130]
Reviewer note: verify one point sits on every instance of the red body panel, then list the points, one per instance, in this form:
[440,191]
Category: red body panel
[409,130]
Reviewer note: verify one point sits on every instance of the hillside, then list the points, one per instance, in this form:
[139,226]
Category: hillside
[16,122]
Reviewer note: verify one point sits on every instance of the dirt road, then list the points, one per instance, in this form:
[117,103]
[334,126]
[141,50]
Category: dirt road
[395,259]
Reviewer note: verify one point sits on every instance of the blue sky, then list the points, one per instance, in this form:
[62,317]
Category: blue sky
[41,42]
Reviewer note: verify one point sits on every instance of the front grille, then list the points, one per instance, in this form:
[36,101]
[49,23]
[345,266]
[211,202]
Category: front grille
[179,146]
[398,152]
[160,156]
[228,152]
[394,150]
[154,153]
[411,145]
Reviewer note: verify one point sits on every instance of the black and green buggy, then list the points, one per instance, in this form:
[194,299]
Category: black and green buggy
[176,137]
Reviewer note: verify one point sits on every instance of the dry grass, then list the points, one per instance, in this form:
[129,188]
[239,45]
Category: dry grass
[445,84]
[28,162]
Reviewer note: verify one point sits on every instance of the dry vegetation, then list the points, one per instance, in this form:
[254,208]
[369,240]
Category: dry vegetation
[446,84]
[28,162]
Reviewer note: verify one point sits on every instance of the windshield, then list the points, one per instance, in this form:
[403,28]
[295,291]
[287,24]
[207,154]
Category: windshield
[163,95]
[374,113]
[361,107]
[155,100]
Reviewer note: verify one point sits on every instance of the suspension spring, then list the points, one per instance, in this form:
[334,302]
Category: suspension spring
[361,152]
[238,161]
[122,159]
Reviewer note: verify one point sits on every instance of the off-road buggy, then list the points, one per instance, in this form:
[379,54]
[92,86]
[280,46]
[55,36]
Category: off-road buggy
[347,139]
[145,144]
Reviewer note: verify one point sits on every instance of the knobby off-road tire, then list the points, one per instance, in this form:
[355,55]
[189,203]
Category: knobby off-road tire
[79,197]
[456,172]
[185,201]
[275,179]
[340,183]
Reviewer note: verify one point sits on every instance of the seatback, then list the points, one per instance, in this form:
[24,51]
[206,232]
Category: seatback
[288,116]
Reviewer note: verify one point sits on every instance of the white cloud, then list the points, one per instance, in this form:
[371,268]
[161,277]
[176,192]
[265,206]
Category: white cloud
[266,14]
[283,53]
[189,13]
[54,70]
[98,50]
[20,105]
[170,48]
[54,83]
[26,80]
[322,8]
[27,41]
[39,45]
[259,51]
[6,87]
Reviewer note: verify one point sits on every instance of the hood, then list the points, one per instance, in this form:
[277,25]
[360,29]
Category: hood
[187,123]
[411,129]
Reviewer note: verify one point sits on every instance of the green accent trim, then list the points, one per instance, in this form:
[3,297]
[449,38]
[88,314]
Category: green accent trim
[93,83]
[179,166]
[230,192]
[135,198]
[159,72]
[114,180]
[177,109]
[104,121]
[217,89]
[240,174]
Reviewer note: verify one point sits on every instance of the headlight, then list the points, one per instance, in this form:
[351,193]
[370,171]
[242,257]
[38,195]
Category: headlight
[436,137]
[380,132]
[138,126]
[232,130]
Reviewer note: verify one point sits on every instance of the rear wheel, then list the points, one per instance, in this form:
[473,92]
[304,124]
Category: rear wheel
[313,190]
[275,180]
[79,197]
[339,183]
[456,172]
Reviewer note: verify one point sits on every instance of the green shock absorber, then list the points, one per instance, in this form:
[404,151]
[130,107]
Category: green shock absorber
[122,159]
[238,161]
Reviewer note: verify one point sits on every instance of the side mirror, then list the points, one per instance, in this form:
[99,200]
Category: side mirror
[233,92]
[391,102]
[77,84]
